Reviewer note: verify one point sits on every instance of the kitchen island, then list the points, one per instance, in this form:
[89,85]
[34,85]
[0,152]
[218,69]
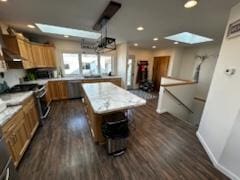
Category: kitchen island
[104,98]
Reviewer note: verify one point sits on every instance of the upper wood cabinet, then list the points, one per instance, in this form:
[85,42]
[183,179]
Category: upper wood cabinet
[34,55]
[21,47]
[44,56]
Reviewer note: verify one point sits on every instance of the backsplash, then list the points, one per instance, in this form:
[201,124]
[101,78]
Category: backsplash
[12,76]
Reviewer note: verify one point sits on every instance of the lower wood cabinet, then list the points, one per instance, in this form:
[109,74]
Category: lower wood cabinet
[58,90]
[19,130]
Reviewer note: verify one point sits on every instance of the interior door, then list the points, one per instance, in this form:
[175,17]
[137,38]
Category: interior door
[130,72]
[160,68]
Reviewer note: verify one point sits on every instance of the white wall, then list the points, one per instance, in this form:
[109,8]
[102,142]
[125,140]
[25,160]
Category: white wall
[207,69]
[221,112]
[122,54]
[166,103]
[141,54]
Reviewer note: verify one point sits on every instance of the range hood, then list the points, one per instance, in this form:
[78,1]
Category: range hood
[10,56]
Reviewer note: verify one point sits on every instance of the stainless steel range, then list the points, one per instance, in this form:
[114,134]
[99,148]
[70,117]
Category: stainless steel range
[7,170]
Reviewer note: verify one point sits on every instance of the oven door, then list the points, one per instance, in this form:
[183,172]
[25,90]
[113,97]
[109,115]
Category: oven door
[43,104]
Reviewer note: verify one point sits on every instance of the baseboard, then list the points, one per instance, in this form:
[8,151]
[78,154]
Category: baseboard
[161,112]
[218,166]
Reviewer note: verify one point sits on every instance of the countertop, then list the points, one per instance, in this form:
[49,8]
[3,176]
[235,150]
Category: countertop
[106,97]
[71,78]
[8,113]
[13,101]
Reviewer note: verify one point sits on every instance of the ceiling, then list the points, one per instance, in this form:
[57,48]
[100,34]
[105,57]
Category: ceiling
[160,18]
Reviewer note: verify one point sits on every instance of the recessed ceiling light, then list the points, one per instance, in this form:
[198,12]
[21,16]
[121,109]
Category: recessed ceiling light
[4,0]
[66,36]
[155,39]
[140,28]
[176,42]
[154,47]
[31,26]
[188,38]
[190,4]
[69,31]
[135,44]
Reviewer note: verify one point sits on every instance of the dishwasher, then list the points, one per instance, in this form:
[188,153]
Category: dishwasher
[74,89]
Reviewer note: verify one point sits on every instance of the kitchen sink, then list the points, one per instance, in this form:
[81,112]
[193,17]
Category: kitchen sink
[93,76]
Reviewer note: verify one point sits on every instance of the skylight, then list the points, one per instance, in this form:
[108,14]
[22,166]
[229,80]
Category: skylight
[67,31]
[189,38]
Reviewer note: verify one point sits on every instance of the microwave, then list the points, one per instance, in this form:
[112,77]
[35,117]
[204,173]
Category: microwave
[44,74]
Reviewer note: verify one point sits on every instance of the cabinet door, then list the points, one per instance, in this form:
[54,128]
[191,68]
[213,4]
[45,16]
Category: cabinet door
[17,139]
[38,55]
[48,95]
[22,48]
[49,56]
[53,90]
[62,87]
[31,118]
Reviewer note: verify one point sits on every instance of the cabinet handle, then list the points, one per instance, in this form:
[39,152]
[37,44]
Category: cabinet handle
[8,174]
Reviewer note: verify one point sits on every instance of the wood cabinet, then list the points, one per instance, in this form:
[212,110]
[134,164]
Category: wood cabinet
[49,56]
[19,130]
[44,56]
[16,136]
[37,53]
[21,47]
[48,97]
[58,90]
[31,117]
[34,55]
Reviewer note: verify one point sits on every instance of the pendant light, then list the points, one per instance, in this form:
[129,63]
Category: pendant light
[190,3]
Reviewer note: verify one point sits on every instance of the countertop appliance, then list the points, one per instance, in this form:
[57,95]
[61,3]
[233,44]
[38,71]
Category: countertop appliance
[7,169]
[40,95]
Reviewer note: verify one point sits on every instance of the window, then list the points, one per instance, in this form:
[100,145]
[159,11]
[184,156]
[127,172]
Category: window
[89,64]
[71,63]
[105,64]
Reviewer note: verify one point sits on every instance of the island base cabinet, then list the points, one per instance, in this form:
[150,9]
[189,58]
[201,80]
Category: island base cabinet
[95,123]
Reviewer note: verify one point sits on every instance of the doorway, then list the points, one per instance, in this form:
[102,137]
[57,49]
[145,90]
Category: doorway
[130,71]
[160,68]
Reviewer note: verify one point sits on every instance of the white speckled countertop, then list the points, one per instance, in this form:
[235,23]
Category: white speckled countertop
[107,97]
[71,78]
[13,99]
[8,113]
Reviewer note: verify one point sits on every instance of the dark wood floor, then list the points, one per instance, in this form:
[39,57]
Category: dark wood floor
[160,147]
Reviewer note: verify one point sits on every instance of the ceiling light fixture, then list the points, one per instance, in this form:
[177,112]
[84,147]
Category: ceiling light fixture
[31,26]
[155,39]
[140,28]
[135,44]
[190,4]
[66,36]
[4,0]
[176,42]
[154,47]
